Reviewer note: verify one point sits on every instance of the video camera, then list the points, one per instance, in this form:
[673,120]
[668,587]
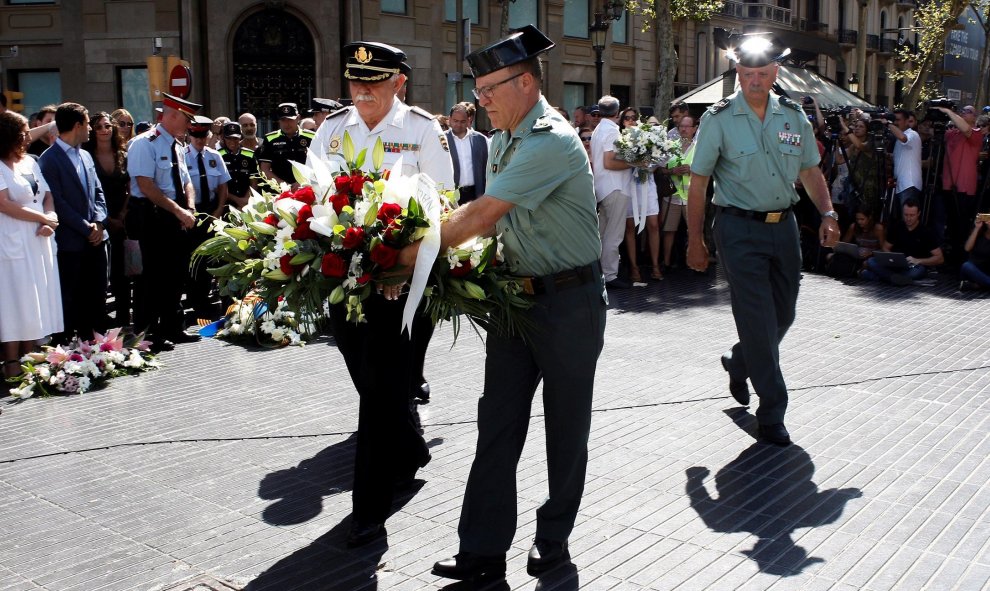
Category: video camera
[934,115]
[878,125]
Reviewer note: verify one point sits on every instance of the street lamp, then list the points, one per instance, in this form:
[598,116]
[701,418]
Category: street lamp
[854,84]
[599,32]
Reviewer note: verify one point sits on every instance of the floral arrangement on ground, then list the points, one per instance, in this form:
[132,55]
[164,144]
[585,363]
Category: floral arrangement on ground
[83,366]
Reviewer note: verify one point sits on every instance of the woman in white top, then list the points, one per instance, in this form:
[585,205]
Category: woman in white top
[31,299]
[648,206]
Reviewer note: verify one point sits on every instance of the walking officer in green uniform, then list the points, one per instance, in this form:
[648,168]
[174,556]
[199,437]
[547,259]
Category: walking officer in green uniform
[289,143]
[241,164]
[540,198]
[756,144]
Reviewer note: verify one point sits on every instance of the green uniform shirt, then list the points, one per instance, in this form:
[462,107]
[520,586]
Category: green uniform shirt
[542,169]
[754,163]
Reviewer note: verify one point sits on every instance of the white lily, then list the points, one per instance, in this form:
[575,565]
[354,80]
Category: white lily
[290,207]
[323,220]
[399,188]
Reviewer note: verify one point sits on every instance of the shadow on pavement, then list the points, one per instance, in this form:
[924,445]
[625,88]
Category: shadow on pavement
[767,491]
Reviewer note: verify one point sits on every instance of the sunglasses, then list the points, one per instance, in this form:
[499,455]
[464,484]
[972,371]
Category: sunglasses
[585,138]
[629,118]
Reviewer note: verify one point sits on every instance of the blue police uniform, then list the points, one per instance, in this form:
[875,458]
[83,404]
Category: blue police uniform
[216,174]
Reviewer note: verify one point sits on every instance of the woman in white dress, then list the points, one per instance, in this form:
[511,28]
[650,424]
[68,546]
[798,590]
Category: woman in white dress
[648,206]
[30,299]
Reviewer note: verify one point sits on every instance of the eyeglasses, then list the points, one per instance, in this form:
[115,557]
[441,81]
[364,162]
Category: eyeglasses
[585,138]
[489,91]
[629,118]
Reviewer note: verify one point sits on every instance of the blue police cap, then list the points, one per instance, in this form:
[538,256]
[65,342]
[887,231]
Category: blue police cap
[525,43]
[371,62]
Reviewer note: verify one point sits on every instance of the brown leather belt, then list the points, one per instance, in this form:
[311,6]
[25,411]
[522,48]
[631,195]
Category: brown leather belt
[560,281]
[767,217]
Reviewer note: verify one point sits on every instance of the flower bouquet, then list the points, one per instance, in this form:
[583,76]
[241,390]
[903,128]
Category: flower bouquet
[645,145]
[251,318]
[83,365]
[338,232]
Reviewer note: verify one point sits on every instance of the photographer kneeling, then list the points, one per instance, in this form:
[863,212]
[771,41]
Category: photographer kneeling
[975,273]
[915,241]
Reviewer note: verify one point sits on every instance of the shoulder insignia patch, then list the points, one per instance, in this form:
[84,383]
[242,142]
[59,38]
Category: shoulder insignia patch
[271,135]
[307,133]
[788,102]
[247,152]
[542,124]
[719,106]
[421,112]
[340,112]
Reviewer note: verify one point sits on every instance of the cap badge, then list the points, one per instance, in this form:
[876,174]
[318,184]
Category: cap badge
[362,55]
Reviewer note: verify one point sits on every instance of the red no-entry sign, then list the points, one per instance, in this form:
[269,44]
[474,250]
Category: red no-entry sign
[180,81]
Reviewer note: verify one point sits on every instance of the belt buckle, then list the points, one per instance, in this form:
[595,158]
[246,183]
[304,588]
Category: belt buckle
[527,285]
[773,217]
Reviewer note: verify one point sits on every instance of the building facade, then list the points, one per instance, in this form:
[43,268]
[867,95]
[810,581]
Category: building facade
[250,55]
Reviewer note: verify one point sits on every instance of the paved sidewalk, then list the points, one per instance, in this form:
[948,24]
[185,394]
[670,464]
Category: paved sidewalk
[230,467]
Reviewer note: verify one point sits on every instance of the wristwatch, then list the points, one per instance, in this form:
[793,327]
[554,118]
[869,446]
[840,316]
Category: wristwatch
[831,214]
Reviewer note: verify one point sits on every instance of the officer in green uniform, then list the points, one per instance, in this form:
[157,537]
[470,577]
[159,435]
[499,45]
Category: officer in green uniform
[540,197]
[756,144]
[241,164]
[289,143]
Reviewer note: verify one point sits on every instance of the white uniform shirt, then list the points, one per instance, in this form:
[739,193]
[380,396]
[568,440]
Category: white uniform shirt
[603,140]
[464,157]
[409,132]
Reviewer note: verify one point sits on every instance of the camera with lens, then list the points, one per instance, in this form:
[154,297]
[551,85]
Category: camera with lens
[933,114]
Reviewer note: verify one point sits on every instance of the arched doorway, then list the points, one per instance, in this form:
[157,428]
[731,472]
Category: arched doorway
[274,62]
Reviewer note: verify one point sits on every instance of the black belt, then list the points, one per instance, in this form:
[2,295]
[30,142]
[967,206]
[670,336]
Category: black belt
[560,281]
[767,217]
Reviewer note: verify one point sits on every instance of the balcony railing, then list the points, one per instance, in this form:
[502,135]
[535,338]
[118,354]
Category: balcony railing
[751,11]
[813,26]
[873,41]
[888,45]
[848,36]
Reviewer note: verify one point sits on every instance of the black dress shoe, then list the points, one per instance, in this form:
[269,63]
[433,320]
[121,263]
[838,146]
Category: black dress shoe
[738,388]
[405,479]
[185,337]
[776,434]
[159,345]
[364,533]
[421,394]
[466,566]
[546,554]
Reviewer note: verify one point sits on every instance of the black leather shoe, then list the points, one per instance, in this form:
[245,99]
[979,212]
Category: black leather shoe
[776,434]
[185,337]
[405,480]
[364,533]
[421,394]
[465,566]
[738,388]
[546,554]
[159,345]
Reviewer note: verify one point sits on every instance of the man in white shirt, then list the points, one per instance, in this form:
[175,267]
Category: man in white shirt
[468,151]
[611,178]
[907,157]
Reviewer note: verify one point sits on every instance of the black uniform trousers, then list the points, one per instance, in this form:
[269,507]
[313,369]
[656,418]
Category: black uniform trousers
[83,278]
[380,360]
[561,351]
[762,263]
[165,249]
[200,280]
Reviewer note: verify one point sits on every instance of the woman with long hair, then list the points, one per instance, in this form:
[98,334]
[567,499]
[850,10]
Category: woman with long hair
[31,306]
[629,118]
[110,156]
[124,123]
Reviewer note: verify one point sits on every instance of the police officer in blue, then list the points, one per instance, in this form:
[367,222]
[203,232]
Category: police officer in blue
[242,164]
[756,144]
[161,212]
[288,143]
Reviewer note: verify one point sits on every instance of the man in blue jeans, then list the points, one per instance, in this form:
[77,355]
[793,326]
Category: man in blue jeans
[914,240]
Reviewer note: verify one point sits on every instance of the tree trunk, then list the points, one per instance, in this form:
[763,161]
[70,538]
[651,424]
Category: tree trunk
[861,49]
[504,27]
[934,58]
[667,58]
[981,90]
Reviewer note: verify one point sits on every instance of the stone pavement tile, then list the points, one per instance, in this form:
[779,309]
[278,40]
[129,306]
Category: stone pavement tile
[870,564]
[949,574]
[974,542]
[894,570]
[676,576]
[10,581]
[977,576]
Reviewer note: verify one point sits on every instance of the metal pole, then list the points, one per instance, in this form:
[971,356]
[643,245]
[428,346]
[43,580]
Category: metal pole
[599,66]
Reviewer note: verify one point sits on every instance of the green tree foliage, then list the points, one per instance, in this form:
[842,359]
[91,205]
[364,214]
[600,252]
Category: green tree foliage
[933,20]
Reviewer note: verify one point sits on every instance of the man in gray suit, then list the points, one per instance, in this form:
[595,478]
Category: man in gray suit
[468,150]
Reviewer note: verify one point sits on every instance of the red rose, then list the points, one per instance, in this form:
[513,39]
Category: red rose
[271,220]
[353,237]
[342,183]
[385,256]
[463,270]
[306,195]
[285,195]
[357,183]
[303,231]
[393,232]
[389,211]
[364,278]
[287,267]
[338,202]
[333,265]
